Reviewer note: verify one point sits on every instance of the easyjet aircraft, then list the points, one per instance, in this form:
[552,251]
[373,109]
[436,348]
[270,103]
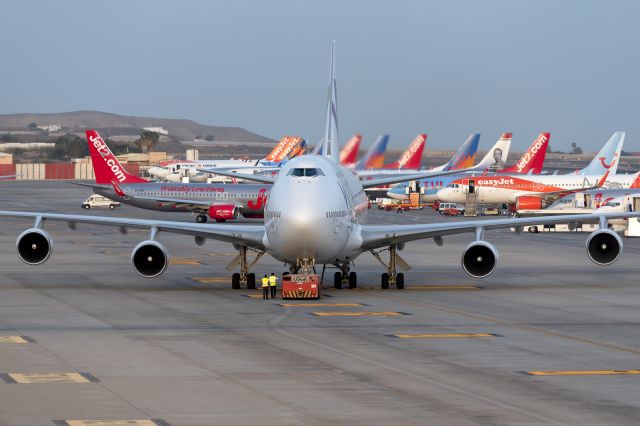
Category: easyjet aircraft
[219,202]
[315,214]
[533,192]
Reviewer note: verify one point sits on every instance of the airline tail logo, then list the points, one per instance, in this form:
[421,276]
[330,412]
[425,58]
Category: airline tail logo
[530,155]
[411,157]
[260,201]
[603,161]
[288,147]
[105,165]
[349,153]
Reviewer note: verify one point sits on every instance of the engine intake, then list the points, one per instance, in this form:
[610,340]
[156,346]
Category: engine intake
[34,246]
[479,259]
[604,246]
[149,259]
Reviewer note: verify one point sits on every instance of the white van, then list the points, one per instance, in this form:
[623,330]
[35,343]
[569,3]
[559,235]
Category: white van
[99,201]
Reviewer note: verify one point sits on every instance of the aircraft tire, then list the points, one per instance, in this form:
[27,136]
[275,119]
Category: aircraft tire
[337,280]
[353,280]
[400,281]
[235,281]
[251,281]
[201,218]
[384,282]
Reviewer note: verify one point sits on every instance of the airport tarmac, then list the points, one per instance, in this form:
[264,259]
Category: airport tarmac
[550,338]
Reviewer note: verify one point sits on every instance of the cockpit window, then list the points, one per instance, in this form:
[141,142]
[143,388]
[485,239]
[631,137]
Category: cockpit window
[306,172]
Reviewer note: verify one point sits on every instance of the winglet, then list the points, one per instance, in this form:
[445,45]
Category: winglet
[106,166]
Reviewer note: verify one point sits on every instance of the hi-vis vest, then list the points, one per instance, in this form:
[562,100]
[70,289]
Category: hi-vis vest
[265,282]
[272,280]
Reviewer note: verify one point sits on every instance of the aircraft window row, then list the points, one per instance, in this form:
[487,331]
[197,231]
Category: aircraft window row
[305,172]
[337,213]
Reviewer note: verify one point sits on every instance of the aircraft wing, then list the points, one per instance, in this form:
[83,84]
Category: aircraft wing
[375,236]
[246,176]
[247,235]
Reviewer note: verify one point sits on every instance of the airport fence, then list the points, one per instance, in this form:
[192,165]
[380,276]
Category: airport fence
[63,171]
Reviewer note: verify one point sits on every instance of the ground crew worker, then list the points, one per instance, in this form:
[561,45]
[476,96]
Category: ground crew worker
[265,287]
[273,281]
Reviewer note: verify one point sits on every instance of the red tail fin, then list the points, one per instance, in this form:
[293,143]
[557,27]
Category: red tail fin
[636,182]
[412,157]
[105,165]
[533,159]
[349,153]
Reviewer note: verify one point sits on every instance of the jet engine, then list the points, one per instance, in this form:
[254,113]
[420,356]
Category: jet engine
[604,246]
[223,212]
[530,202]
[479,259]
[34,246]
[149,259]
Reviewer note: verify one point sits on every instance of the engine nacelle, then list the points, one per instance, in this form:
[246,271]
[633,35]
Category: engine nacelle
[149,259]
[604,246]
[224,212]
[530,202]
[34,246]
[479,259]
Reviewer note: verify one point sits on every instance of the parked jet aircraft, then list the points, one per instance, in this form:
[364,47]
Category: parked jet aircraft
[220,202]
[314,215]
[173,171]
[533,192]
[429,187]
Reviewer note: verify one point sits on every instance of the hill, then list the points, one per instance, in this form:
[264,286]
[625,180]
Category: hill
[177,128]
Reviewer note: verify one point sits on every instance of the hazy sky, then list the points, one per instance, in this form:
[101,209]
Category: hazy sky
[446,68]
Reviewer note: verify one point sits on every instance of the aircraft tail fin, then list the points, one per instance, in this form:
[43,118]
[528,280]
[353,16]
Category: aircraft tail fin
[465,156]
[349,154]
[287,148]
[636,182]
[531,161]
[497,155]
[412,157]
[607,158]
[331,137]
[374,158]
[106,166]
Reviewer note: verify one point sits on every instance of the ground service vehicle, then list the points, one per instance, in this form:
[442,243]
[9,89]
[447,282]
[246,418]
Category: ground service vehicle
[97,200]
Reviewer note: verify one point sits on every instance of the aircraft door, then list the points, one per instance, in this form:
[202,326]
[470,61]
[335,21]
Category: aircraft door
[579,201]
[636,204]
[587,201]
[472,186]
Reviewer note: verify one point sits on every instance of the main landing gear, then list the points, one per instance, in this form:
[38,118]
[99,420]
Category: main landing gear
[244,277]
[201,218]
[344,277]
[391,277]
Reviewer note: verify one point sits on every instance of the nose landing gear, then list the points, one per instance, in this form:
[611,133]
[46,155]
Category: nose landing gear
[391,277]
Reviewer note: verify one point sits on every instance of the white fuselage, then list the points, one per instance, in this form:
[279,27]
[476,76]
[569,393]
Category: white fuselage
[316,216]
[505,189]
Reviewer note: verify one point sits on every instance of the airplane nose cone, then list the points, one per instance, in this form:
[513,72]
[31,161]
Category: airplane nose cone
[304,232]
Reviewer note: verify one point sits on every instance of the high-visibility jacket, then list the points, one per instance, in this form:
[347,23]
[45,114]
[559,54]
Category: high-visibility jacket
[265,282]
[273,280]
